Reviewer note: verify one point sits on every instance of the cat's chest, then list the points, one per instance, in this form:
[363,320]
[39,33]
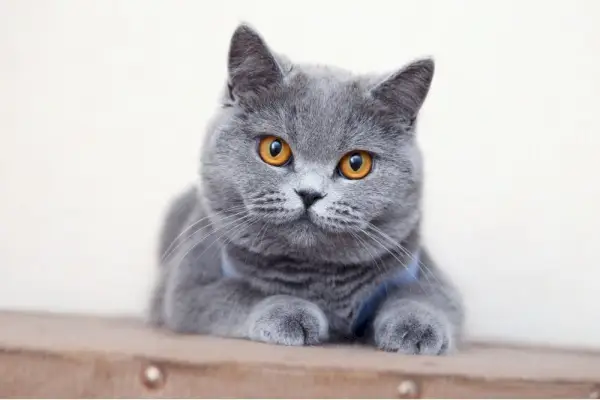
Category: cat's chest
[337,289]
[340,299]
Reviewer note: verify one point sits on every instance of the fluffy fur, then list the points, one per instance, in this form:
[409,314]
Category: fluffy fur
[302,273]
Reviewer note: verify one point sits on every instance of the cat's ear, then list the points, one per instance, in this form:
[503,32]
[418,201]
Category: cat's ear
[405,91]
[251,65]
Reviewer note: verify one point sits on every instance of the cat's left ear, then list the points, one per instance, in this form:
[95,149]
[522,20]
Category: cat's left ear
[404,91]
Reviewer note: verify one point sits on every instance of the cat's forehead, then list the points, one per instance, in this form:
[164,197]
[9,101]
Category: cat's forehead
[325,113]
[325,87]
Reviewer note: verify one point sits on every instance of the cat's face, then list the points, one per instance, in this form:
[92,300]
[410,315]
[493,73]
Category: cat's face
[308,154]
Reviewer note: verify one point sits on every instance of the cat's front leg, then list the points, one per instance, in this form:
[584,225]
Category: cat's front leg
[219,308]
[288,321]
[230,307]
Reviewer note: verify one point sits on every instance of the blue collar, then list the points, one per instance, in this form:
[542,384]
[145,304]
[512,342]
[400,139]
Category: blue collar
[369,306]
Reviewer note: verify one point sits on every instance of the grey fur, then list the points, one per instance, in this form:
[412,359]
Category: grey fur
[301,275]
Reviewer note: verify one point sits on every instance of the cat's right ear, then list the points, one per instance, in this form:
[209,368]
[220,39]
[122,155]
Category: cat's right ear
[251,65]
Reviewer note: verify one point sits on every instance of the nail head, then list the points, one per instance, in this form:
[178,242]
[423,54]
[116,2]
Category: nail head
[408,389]
[153,377]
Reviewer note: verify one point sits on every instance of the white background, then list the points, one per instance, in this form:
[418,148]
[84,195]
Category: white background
[103,105]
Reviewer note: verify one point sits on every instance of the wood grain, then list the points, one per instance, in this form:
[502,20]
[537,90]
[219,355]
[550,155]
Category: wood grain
[68,356]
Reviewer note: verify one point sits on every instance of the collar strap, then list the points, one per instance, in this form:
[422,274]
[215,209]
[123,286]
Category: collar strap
[402,276]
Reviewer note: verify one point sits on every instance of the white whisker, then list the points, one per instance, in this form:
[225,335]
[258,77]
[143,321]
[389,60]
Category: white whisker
[170,250]
[427,272]
[365,245]
[244,224]
[201,240]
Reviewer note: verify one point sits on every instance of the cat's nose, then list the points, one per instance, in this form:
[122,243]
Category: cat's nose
[309,197]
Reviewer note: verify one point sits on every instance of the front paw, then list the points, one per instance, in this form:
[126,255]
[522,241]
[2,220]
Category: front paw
[413,328]
[287,320]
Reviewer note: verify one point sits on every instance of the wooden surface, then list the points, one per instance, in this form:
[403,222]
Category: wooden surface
[66,356]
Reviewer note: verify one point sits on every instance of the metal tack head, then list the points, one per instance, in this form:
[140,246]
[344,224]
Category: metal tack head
[408,389]
[153,377]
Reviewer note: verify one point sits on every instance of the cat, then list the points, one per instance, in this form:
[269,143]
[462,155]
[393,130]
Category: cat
[304,226]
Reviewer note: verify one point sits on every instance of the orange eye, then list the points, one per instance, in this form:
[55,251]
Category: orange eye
[274,151]
[356,164]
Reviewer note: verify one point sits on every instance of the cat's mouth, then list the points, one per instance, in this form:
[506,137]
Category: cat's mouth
[304,217]
[305,224]
[312,219]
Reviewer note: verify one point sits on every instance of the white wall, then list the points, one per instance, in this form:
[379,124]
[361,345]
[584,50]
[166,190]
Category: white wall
[103,104]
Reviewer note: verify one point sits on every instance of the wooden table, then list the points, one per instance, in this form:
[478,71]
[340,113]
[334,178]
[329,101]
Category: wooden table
[45,355]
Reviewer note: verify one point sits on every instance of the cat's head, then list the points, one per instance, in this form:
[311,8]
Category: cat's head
[311,156]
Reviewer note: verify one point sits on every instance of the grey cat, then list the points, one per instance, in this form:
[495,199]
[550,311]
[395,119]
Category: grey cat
[304,226]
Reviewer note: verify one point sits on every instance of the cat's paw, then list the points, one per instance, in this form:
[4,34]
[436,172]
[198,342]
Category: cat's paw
[289,321]
[413,328]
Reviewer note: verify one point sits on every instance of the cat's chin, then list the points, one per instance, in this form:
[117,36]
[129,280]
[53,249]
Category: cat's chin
[303,233]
